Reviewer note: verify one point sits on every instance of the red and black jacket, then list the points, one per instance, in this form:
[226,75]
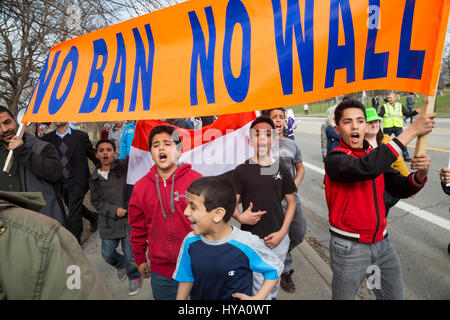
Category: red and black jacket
[355,181]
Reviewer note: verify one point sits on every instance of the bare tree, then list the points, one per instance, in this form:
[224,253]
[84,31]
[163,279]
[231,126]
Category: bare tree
[444,78]
[28,29]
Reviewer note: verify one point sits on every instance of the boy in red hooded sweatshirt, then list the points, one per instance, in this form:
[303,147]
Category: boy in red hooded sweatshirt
[156,212]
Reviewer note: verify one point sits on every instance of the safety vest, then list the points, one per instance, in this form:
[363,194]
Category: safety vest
[393,116]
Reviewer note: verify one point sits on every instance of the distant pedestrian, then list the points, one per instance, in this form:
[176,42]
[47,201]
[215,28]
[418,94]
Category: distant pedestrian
[375,102]
[206,120]
[127,139]
[291,124]
[410,105]
[306,109]
[333,137]
[392,114]
[105,132]
[41,129]
[115,134]
[180,123]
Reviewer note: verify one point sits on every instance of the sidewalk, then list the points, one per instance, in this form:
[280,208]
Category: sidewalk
[312,275]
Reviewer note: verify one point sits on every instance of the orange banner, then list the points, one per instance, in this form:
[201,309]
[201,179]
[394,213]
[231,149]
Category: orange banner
[205,57]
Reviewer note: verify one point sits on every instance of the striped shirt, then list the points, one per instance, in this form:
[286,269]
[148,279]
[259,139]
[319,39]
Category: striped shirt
[221,268]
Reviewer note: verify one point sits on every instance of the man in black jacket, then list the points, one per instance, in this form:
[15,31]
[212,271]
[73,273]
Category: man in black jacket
[35,167]
[74,149]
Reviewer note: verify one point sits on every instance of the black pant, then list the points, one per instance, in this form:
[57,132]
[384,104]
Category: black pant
[73,197]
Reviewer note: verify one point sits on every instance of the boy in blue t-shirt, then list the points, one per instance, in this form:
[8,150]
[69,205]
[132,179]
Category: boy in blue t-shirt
[217,261]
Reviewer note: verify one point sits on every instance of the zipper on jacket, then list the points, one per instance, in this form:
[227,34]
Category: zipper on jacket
[376,205]
[164,183]
[376,209]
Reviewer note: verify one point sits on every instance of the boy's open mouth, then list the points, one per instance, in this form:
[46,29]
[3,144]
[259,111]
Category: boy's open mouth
[193,223]
[354,137]
[162,157]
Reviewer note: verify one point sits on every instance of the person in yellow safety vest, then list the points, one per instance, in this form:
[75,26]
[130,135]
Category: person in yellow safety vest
[392,114]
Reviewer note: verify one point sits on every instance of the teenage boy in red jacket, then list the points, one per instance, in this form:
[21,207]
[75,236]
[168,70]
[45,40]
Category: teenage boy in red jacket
[356,177]
[156,212]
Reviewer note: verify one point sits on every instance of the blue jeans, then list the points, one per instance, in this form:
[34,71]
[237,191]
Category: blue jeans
[396,132]
[118,260]
[163,288]
[352,261]
[297,230]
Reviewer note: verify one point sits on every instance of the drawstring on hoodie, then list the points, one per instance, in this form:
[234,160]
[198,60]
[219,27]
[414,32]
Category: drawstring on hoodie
[172,205]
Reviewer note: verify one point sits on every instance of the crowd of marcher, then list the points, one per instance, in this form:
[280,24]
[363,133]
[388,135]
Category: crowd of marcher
[173,222]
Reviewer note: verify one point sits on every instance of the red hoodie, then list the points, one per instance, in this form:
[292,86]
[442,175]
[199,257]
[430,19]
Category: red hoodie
[156,216]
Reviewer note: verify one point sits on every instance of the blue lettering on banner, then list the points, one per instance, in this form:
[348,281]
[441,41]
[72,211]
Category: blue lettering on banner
[340,57]
[56,103]
[199,53]
[44,81]
[305,44]
[145,69]
[375,64]
[96,76]
[117,89]
[237,14]
[410,62]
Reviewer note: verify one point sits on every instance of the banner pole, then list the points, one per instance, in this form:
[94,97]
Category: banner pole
[428,107]
[9,158]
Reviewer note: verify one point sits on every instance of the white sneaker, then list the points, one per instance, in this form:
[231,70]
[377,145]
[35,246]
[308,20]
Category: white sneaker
[134,286]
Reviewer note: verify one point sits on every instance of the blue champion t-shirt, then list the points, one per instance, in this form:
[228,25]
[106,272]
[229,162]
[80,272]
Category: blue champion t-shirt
[221,268]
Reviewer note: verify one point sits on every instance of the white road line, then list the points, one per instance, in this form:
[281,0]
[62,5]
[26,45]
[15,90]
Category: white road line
[313,167]
[425,215]
[430,217]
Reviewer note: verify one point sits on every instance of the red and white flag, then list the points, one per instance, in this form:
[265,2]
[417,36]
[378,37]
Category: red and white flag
[211,150]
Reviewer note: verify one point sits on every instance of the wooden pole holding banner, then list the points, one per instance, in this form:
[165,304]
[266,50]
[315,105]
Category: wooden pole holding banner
[9,158]
[422,141]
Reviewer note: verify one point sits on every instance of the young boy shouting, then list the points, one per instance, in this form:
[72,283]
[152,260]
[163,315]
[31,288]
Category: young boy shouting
[155,212]
[216,260]
[356,177]
[290,155]
[108,196]
[263,183]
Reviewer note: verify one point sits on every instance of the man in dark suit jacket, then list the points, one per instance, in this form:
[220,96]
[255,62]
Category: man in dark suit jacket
[74,149]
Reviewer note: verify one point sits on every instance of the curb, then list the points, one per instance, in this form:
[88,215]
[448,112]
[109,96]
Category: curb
[321,266]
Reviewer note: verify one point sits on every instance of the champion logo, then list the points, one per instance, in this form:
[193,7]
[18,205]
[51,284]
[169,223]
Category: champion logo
[231,273]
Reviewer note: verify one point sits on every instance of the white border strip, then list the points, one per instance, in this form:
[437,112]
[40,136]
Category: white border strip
[345,233]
